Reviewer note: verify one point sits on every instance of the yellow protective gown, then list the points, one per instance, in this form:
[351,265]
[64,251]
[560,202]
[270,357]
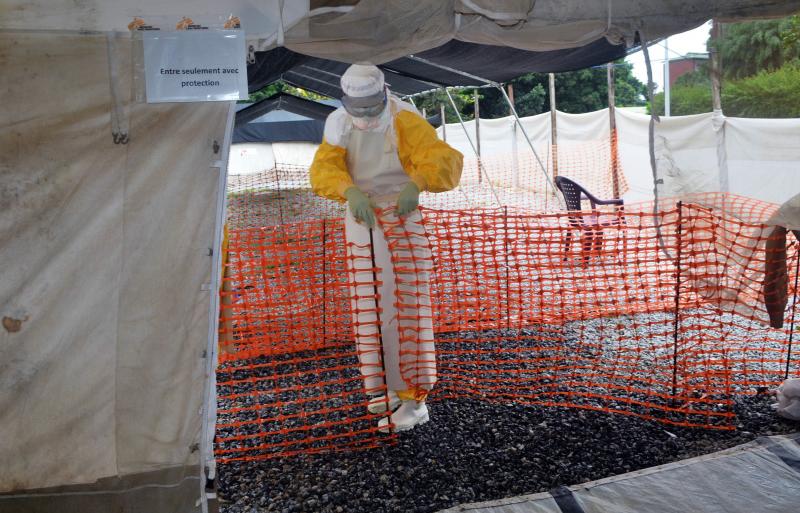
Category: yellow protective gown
[428,161]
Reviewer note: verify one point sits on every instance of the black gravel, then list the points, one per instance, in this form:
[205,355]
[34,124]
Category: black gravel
[476,451]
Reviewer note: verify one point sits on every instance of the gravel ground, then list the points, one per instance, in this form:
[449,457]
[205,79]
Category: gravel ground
[477,451]
[474,449]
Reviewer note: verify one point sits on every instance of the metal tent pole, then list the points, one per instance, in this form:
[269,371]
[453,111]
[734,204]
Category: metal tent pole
[474,149]
[530,144]
[477,128]
[666,78]
[651,142]
[551,88]
[444,122]
[612,125]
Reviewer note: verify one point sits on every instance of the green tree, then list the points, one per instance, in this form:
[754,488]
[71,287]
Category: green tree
[431,103]
[690,94]
[576,92]
[749,47]
[280,86]
[686,100]
[770,94]
[790,36]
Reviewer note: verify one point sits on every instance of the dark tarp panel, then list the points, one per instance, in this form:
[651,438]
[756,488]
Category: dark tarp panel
[279,131]
[501,64]
[409,75]
[320,75]
[269,66]
[282,131]
[289,103]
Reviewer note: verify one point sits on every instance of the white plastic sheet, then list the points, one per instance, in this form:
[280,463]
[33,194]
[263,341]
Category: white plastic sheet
[379,30]
[788,394]
[763,157]
[761,476]
[105,269]
[249,158]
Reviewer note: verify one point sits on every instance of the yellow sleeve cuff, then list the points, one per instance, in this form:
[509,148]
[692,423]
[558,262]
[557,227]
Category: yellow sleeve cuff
[420,182]
[343,186]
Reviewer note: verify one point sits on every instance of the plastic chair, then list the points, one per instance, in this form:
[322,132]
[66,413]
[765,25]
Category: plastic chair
[591,224]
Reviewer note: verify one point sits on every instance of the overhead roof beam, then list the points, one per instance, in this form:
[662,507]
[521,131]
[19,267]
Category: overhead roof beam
[453,70]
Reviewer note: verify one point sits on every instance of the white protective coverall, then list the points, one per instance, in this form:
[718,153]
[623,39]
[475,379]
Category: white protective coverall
[380,158]
[403,322]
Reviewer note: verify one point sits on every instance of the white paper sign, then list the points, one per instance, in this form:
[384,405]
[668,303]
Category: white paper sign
[195,65]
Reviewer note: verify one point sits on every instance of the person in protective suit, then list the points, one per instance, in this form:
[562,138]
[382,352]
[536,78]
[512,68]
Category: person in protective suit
[776,275]
[378,154]
[776,293]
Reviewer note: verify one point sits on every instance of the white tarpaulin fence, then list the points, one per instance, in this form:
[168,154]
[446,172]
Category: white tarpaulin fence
[760,156]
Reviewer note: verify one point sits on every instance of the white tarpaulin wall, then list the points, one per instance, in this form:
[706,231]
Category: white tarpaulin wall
[249,158]
[759,157]
[508,161]
[762,155]
[105,285]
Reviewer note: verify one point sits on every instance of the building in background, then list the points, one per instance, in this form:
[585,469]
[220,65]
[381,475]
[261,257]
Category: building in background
[686,64]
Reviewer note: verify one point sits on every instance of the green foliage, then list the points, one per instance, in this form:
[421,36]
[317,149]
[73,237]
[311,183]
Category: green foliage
[774,94]
[690,94]
[790,35]
[628,90]
[266,92]
[749,47]
[759,62]
[432,101]
[576,92]
[278,87]
[699,77]
[769,94]
[685,100]
[530,97]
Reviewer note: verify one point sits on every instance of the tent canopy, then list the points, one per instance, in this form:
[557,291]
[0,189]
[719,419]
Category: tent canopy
[252,127]
[287,102]
[421,44]
[453,64]
[380,31]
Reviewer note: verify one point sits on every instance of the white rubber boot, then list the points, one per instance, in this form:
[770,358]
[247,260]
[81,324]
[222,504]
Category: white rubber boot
[377,404]
[409,414]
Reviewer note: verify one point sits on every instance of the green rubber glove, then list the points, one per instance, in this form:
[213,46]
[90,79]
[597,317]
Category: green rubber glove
[360,206]
[408,201]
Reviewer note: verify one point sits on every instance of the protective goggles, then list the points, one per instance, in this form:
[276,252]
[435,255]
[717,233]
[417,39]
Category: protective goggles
[365,106]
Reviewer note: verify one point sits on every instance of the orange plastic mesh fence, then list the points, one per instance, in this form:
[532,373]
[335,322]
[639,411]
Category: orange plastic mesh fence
[281,195]
[496,180]
[657,316]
